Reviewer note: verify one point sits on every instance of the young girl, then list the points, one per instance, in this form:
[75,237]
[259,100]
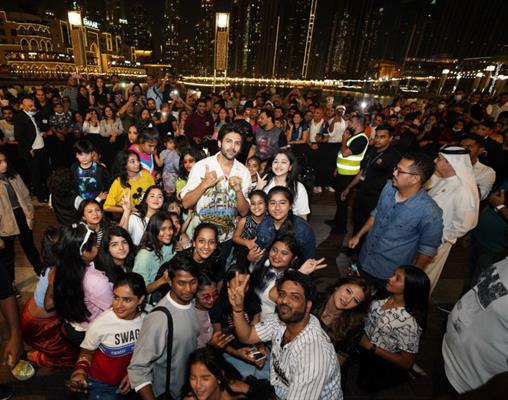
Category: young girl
[393,329]
[245,232]
[284,172]
[130,185]
[135,222]
[182,240]
[156,248]
[253,164]
[116,253]
[41,328]
[206,296]
[109,343]
[222,119]
[298,131]
[90,212]
[187,161]
[80,291]
[170,159]
[16,219]
[144,147]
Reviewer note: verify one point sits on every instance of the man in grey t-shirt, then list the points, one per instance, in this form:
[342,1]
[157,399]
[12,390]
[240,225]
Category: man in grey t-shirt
[269,138]
[147,369]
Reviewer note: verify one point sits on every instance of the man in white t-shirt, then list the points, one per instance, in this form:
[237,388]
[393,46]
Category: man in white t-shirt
[484,175]
[218,186]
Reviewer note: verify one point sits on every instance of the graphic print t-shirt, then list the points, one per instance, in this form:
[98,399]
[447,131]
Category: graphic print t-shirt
[86,178]
[113,340]
[218,203]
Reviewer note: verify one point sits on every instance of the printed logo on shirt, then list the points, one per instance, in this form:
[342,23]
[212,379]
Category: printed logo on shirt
[490,287]
[117,351]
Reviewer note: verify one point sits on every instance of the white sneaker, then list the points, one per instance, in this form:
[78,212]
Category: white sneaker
[329,189]
[317,189]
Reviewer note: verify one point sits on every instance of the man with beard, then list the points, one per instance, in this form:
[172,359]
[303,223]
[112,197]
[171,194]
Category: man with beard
[303,362]
[406,226]
[217,188]
[147,369]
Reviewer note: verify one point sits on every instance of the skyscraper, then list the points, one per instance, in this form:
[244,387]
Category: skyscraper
[172,42]
[205,29]
[139,30]
[353,37]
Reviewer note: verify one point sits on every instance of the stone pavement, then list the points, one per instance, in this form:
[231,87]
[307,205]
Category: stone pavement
[50,384]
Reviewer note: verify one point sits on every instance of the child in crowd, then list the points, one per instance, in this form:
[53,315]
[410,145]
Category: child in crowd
[170,160]
[130,185]
[91,180]
[63,198]
[182,240]
[145,147]
[109,342]
[187,161]
[246,228]
[253,164]
[90,213]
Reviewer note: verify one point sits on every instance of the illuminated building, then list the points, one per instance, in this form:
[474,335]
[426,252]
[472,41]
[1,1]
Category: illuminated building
[35,47]
[204,38]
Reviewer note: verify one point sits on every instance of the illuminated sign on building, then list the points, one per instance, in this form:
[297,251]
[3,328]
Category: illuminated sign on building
[90,23]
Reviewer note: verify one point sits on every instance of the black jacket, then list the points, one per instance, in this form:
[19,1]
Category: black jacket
[25,133]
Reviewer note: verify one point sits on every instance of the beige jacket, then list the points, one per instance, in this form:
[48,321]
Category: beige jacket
[8,224]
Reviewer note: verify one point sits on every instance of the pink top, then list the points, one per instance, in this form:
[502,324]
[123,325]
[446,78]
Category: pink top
[205,328]
[98,295]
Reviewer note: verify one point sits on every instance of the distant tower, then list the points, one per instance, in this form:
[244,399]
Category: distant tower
[308,40]
[172,43]
[204,38]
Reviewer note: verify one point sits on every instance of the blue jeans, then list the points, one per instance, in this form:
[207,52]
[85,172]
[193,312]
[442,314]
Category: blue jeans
[245,369]
[103,391]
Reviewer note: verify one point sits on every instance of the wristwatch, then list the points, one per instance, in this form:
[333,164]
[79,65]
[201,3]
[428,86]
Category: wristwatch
[499,207]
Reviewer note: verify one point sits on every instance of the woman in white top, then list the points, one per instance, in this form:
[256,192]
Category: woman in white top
[135,221]
[393,329]
[284,172]
[91,124]
[110,126]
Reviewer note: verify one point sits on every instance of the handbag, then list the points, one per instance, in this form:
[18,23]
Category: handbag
[169,349]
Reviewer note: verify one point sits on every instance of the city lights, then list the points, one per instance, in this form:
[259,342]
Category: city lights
[74,17]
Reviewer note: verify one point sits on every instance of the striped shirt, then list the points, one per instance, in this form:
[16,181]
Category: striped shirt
[305,368]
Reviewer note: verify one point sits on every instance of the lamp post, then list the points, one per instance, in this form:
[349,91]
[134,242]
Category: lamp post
[221,45]
[77,40]
[445,72]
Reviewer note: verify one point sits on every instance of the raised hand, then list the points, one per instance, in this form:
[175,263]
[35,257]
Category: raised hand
[236,183]
[312,265]
[261,182]
[236,292]
[210,179]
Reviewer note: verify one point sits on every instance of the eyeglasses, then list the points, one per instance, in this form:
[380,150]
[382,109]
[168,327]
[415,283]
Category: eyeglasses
[399,171]
[209,297]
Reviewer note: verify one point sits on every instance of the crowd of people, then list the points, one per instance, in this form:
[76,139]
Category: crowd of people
[181,261]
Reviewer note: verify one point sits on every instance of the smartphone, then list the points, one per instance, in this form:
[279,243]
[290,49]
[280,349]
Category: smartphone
[228,330]
[256,354]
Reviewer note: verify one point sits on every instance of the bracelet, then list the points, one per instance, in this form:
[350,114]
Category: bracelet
[82,365]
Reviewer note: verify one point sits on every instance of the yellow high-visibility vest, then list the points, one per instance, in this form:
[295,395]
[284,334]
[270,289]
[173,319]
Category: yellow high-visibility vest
[350,165]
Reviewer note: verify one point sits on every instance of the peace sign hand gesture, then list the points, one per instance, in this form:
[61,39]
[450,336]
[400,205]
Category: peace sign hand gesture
[236,292]
[312,265]
[261,182]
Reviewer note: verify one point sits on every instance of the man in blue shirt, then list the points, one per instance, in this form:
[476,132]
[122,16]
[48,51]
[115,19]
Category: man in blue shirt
[407,225]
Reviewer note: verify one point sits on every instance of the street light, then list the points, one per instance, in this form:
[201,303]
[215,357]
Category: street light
[446,71]
[221,45]
[490,68]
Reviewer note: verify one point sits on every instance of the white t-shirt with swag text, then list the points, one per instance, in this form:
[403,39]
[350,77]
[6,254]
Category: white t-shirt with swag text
[218,204]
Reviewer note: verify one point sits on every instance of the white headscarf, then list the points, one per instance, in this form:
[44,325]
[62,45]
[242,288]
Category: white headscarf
[459,159]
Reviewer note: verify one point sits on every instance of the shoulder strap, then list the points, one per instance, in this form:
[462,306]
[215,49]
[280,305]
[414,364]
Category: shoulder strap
[169,347]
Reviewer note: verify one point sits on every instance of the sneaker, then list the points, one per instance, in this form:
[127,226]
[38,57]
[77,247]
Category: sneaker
[317,189]
[6,391]
[329,189]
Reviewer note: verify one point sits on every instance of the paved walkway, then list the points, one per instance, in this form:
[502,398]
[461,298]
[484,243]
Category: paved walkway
[49,384]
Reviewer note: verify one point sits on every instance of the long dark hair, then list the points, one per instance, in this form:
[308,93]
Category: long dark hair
[250,297]
[416,293]
[124,159]
[49,240]
[287,226]
[104,261]
[214,361]
[81,212]
[351,319]
[195,154]
[292,176]
[69,295]
[143,207]
[150,241]
[10,173]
